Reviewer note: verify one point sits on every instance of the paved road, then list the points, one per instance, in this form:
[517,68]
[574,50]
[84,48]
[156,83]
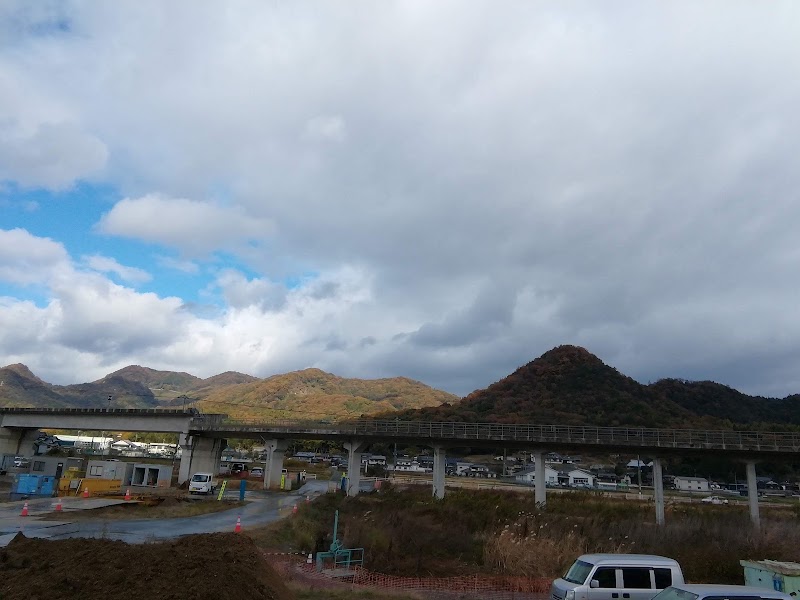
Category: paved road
[262,508]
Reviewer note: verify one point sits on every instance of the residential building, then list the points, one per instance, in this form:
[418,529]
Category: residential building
[580,478]
[528,476]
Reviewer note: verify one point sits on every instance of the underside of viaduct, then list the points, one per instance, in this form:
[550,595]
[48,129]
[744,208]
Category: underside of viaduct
[202,438]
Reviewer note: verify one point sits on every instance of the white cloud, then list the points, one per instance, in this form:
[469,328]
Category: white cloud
[469,184]
[26,259]
[239,292]
[54,156]
[105,264]
[325,128]
[191,225]
[185,266]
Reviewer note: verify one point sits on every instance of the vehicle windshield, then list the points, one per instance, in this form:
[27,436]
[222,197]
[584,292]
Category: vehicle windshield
[673,593]
[578,572]
[200,478]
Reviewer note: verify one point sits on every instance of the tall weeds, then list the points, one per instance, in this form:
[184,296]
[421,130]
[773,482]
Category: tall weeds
[410,533]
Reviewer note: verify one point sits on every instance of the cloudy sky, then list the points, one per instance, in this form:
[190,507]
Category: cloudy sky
[441,190]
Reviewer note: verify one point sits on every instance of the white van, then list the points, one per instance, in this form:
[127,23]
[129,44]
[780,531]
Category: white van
[202,483]
[617,577]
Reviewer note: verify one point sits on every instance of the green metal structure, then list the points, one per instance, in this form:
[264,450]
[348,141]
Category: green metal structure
[338,560]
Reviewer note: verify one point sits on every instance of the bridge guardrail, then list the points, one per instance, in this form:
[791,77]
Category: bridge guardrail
[759,441]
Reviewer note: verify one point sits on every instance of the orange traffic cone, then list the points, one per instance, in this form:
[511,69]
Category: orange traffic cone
[58,505]
[294,509]
[308,499]
[24,512]
[128,494]
[238,527]
[86,492]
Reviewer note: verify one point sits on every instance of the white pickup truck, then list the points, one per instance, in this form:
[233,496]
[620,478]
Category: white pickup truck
[202,483]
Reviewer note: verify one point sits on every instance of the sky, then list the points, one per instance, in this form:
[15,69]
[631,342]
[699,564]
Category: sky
[437,190]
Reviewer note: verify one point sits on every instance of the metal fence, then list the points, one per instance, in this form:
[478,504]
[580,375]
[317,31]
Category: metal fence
[752,441]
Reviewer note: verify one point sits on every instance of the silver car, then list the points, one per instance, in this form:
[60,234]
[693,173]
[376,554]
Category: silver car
[707,591]
[616,577]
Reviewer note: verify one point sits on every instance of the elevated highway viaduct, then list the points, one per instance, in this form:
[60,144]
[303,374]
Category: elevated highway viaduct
[203,437]
[746,446]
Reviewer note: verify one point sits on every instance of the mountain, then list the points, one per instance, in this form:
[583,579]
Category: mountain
[167,381]
[228,378]
[309,394]
[565,386]
[570,386]
[714,400]
[19,387]
[113,391]
[315,394]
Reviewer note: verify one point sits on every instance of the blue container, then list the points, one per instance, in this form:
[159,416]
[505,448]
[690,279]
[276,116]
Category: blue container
[32,486]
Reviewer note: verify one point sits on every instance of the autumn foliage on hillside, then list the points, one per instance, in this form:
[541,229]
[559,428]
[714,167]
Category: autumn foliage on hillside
[313,394]
[570,386]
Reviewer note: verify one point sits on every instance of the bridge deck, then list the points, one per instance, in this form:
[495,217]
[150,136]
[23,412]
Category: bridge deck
[758,442]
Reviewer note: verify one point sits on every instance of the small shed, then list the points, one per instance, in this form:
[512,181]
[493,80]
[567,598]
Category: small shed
[110,469]
[772,574]
[151,475]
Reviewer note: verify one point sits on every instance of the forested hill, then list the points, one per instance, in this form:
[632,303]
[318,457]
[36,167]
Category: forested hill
[570,386]
[307,394]
[315,394]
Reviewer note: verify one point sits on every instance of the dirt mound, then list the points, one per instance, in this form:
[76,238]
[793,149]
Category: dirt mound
[226,566]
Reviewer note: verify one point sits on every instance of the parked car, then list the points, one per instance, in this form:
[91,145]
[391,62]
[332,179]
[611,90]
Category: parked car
[714,500]
[237,468]
[703,591]
[256,472]
[202,483]
[604,576]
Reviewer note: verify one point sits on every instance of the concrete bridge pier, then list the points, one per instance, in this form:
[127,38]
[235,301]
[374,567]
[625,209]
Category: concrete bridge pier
[439,472]
[355,449]
[752,493]
[658,490]
[539,483]
[199,455]
[274,450]
[17,441]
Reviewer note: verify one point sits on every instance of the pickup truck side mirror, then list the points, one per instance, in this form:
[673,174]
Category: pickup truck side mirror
[594,583]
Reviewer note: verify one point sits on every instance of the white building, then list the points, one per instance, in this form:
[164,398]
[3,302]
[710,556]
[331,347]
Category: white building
[528,476]
[580,478]
[164,450]
[86,442]
[691,484]
[129,448]
[462,468]
[409,465]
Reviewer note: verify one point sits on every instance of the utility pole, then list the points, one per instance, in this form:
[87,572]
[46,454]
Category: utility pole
[639,471]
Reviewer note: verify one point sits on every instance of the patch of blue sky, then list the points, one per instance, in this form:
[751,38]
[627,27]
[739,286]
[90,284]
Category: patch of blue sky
[66,216]
[69,218]
[290,280]
[32,21]
[35,294]
[294,282]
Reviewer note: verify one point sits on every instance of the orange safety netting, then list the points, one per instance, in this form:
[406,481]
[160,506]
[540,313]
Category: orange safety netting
[496,587]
